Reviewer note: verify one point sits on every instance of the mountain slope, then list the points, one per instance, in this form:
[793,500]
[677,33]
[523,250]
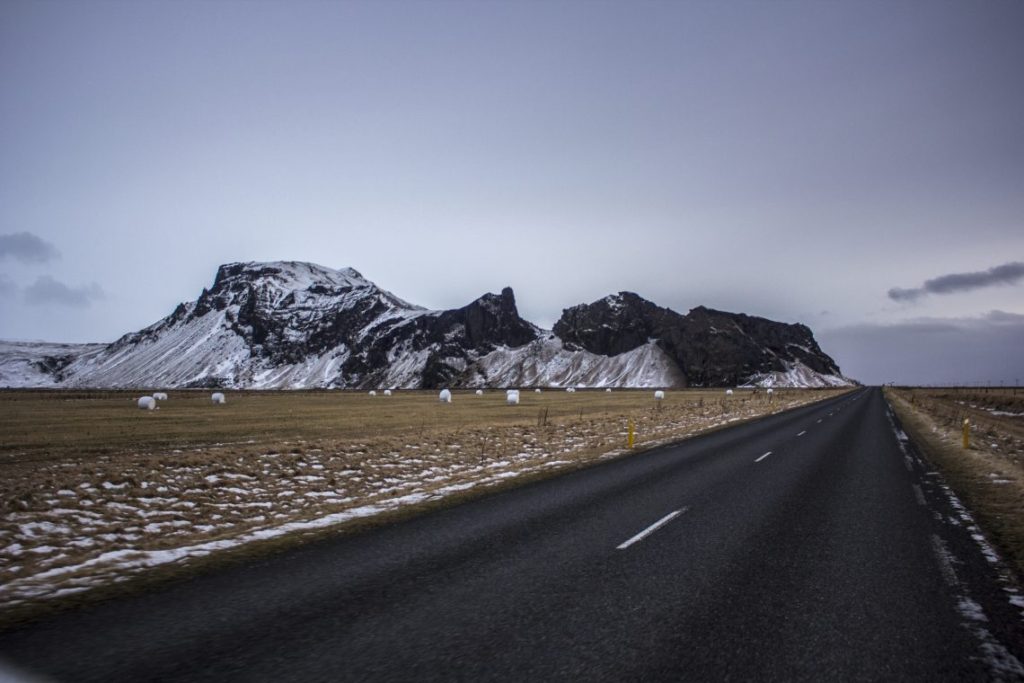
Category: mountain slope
[39,364]
[300,325]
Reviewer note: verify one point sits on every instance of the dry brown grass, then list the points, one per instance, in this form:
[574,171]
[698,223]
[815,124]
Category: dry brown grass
[37,425]
[988,476]
[94,490]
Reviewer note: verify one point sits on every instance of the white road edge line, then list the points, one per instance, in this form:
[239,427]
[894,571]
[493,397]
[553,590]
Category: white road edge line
[802,433]
[652,528]
[763,456]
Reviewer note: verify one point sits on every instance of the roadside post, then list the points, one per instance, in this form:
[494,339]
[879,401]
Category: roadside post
[967,433]
[631,435]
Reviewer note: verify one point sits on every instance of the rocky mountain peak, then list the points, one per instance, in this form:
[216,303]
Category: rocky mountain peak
[615,324]
[493,319]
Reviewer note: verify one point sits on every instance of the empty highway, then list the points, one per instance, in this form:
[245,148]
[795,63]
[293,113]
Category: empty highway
[809,545]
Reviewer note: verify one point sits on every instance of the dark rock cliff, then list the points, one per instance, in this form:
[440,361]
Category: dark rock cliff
[712,348]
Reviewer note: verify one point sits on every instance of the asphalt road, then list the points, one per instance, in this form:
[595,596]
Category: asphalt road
[838,556]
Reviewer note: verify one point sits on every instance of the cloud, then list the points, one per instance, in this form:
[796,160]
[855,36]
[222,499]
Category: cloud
[1006,274]
[1004,318]
[7,285]
[901,294]
[27,248]
[46,290]
[919,351]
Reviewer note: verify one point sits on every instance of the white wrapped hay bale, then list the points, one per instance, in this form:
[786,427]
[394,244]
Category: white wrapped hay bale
[445,396]
[770,390]
[728,392]
[512,398]
[571,390]
[608,390]
[160,396]
[387,392]
[537,390]
[218,397]
[479,392]
[659,395]
[147,403]
[372,392]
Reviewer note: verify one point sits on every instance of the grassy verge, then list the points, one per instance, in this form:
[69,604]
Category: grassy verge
[988,476]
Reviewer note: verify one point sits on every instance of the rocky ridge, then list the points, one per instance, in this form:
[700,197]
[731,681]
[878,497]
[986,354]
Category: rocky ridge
[300,325]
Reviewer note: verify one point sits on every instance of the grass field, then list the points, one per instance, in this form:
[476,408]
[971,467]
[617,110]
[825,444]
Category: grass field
[95,491]
[41,425]
[989,474]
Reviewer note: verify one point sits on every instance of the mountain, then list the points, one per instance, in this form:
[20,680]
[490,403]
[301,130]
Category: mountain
[299,325]
[710,348]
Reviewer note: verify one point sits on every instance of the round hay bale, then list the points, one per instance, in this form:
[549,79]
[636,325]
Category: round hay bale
[479,392]
[160,396]
[608,390]
[372,392]
[387,392]
[445,396]
[512,399]
[659,395]
[218,397]
[770,390]
[147,403]
[728,392]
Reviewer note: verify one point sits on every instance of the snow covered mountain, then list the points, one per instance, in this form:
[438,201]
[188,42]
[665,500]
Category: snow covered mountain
[299,325]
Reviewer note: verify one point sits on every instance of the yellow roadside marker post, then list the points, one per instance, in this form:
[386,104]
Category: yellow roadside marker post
[632,434]
[967,433]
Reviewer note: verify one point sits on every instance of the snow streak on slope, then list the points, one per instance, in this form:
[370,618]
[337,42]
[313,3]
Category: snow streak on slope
[546,362]
[194,354]
[798,375]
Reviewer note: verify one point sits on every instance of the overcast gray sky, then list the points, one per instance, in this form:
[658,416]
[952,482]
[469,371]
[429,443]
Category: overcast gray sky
[818,162]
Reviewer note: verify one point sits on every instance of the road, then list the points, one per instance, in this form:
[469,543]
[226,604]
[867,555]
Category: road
[809,545]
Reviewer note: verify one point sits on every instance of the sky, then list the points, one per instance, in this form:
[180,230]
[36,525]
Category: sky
[814,162]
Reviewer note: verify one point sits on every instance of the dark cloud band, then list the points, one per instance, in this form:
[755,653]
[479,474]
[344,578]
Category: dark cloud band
[27,248]
[1006,274]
